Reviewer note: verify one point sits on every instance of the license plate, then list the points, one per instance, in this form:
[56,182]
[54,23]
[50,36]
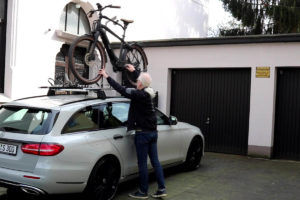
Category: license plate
[8,149]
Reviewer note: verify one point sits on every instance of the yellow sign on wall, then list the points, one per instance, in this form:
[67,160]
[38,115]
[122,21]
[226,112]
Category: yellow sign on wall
[262,72]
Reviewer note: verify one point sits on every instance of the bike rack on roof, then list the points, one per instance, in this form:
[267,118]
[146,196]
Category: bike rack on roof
[60,90]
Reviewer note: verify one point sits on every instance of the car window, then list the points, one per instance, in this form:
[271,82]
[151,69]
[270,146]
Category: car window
[25,120]
[113,115]
[83,120]
[16,116]
[161,118]
[120,110]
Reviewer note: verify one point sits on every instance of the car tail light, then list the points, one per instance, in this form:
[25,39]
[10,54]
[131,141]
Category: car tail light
[43,149]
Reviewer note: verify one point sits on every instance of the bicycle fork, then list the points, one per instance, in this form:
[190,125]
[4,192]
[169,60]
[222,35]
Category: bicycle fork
[91,49]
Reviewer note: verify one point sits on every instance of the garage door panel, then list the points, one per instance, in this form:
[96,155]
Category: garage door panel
[287,126]
[230,91]
[217,101]
[190,91]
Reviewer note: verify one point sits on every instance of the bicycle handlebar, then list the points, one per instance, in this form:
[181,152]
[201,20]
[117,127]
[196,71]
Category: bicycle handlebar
[115,6]
[100,8]
[109,6]
[90,13]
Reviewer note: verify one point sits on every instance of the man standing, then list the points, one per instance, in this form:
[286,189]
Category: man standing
[142,119]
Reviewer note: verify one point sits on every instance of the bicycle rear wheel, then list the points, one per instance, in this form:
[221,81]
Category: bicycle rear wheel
[137,57]
[85,63]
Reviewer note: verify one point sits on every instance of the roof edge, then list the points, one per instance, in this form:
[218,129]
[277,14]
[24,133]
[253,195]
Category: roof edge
[251,39]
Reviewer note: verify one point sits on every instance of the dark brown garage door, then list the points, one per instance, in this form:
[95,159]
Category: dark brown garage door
[217,101]
[287,121]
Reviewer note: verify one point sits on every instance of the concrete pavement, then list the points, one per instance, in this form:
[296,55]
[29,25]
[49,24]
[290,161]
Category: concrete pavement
[222,177]
[231,177]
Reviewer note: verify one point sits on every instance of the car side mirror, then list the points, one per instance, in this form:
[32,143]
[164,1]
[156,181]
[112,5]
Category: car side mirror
[173,120]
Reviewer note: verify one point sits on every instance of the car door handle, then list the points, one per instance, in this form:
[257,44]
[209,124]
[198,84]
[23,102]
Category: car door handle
[118,136]
[207,121]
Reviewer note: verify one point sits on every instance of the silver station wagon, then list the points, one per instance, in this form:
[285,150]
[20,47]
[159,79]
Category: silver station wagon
[58,144]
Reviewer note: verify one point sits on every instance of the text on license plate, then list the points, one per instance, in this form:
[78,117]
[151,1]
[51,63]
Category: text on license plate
[8,149]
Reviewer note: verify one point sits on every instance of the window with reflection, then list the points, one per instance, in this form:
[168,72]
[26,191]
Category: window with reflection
[25,120]
[74,20]
[161,118]
[113,115]
[83,120]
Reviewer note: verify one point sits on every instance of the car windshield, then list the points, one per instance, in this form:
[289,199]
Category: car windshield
[25,120]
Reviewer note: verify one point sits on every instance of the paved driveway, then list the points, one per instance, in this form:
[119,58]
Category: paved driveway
[223,177]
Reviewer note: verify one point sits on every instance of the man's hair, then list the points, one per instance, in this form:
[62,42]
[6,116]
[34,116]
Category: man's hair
[145,79]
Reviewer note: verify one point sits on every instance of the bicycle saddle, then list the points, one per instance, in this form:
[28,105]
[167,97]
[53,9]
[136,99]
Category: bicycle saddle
[127,21]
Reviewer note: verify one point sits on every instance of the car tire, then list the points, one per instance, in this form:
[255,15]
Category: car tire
[104,179]
[194,155]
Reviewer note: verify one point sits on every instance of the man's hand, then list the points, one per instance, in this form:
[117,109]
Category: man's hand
[130,67]
[103,73]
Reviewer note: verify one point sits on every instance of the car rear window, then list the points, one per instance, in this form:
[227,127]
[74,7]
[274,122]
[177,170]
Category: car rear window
[25,120]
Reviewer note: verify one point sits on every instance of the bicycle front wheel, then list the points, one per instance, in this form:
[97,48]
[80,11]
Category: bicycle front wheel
[86,58]
[137,57]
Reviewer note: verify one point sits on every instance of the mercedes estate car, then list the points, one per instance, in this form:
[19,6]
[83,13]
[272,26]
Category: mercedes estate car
[56,144]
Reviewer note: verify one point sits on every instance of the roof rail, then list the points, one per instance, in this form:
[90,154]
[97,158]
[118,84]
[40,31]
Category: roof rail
[58,90]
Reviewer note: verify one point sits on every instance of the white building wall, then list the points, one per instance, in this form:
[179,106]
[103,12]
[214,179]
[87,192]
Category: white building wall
[32,43]
[30,51]
[157,19]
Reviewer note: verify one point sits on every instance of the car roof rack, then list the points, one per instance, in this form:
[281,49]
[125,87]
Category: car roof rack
[60,90]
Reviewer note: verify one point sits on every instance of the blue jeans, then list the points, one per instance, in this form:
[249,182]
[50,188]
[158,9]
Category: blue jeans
[146,144]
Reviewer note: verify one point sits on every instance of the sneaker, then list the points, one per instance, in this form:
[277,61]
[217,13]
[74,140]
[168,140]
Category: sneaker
[138,195]
[159,193]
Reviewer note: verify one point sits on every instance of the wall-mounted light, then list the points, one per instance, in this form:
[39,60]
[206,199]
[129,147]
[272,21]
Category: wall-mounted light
[77,5]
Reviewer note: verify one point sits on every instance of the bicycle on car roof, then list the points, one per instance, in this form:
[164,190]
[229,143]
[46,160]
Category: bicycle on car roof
[95,56]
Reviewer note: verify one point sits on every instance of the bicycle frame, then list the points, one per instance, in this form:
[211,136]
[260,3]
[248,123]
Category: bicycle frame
[100,30]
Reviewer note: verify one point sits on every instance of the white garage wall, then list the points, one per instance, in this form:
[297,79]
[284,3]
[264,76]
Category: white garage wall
[262,101]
